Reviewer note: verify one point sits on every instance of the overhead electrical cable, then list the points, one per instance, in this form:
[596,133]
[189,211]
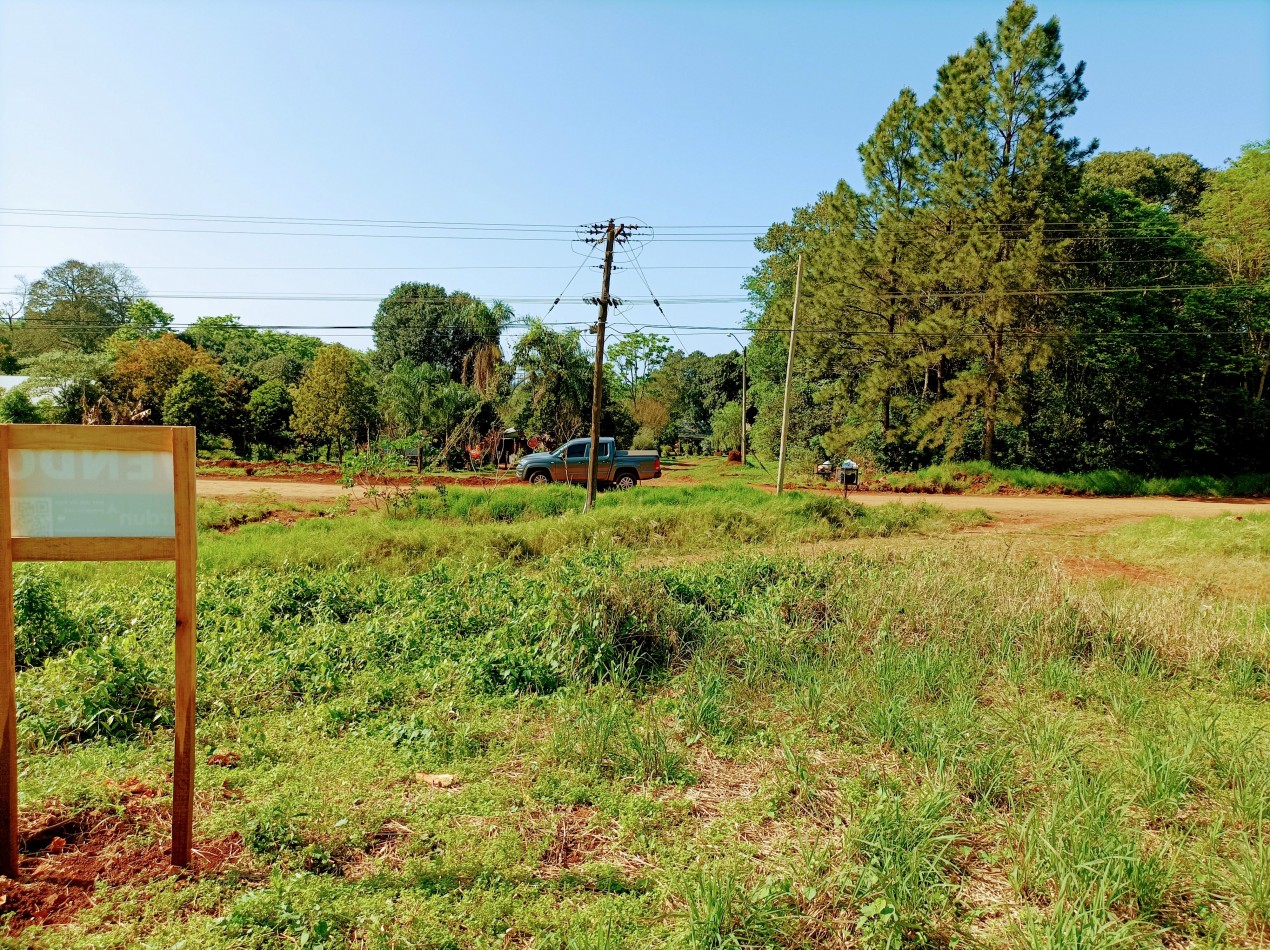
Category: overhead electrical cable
[634,259]
[683,300]
[367,329]
[560,295]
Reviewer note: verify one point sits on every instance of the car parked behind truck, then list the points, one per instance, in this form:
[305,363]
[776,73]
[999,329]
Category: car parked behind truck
[568,464]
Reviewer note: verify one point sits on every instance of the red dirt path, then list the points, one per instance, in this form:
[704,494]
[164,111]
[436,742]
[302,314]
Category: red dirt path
[66,856]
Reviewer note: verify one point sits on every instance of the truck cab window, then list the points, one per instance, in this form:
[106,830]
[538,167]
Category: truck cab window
[576,451]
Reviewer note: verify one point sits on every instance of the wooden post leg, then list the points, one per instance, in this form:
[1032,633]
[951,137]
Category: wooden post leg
[8,681]
[183,462]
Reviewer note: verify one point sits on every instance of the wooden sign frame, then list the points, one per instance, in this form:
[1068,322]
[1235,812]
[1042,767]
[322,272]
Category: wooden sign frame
[182,548]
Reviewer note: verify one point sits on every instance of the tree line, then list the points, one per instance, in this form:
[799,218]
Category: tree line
[997,290]
[96,350]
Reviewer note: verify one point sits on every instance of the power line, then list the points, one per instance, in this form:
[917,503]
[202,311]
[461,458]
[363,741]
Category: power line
[364,328]
[680,300]
[393,237]
[740,230]
[403,267]
[344,222]
[586,260]
[634,259]
[674,239]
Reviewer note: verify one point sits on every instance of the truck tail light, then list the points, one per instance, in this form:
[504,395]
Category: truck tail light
[657,464]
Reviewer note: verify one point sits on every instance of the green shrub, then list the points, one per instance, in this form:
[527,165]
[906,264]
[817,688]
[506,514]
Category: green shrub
[106,692]
[42,627]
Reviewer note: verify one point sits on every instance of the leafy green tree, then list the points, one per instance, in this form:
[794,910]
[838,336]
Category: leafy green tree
[634,358]
[423,323]
[1175,181]
[145,320]
[335,401]
[255,355]
[16,407]
[74,305]
[1235,216]
[269,411]
[196,400]
[1129,383]
[71,379]
[484,358]
[725,428]
[692,387]
[1235,222]
[145,369]
[448,408]
[919,291]
[999,171]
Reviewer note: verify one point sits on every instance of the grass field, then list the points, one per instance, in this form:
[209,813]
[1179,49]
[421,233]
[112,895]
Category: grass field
[697,717]
[982,478]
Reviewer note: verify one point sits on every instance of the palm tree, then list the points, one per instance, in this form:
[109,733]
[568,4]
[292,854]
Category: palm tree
[407,393]
[482,361]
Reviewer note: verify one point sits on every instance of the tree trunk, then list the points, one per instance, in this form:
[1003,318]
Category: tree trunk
[990,397]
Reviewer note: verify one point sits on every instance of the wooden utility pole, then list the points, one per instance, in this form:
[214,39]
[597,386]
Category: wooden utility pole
[612,235]
[789,374]
[744,364]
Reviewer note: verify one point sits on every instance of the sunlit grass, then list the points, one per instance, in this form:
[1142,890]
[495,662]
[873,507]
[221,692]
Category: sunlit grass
[923,744]
[981,477]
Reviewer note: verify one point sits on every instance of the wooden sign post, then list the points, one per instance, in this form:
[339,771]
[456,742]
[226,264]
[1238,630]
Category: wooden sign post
[99,493]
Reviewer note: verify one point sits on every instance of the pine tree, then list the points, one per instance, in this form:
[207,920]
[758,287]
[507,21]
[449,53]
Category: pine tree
[1001,178]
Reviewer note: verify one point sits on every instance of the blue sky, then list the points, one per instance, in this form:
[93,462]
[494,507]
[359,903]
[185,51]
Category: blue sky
[545,113]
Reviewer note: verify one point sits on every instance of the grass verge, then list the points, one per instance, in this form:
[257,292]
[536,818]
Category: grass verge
[982,478]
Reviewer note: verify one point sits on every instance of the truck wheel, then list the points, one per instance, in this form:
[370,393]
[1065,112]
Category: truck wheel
[625,480]
[539,478]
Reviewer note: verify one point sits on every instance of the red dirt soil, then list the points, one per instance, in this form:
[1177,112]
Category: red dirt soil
[323,473]
[65,856]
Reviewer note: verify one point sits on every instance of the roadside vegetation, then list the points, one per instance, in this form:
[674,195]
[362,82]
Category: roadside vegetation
[977,478]
[668,723]
[982,478]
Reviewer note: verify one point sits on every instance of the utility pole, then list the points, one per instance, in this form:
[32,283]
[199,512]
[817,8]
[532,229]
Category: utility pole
[745,359]
[789,374]
[612,235]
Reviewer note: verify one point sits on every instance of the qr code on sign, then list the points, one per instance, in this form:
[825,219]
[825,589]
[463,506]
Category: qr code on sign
[33,517]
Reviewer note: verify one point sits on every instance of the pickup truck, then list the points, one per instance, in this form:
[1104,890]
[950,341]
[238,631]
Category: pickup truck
[569,462]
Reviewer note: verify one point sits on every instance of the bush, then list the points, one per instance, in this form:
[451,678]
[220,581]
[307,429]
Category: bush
[645,439]
[42,627]
[93,693]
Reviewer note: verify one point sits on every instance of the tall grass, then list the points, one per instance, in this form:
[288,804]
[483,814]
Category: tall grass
[520,525]
[924,745]
[983,478]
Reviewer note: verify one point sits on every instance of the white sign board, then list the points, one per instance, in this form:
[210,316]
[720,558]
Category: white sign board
[91,494]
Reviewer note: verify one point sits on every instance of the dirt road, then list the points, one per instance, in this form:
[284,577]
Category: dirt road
[1010,512]
[276,489]
[1086,515]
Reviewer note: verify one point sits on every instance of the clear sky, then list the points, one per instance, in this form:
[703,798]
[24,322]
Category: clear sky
[530,112]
